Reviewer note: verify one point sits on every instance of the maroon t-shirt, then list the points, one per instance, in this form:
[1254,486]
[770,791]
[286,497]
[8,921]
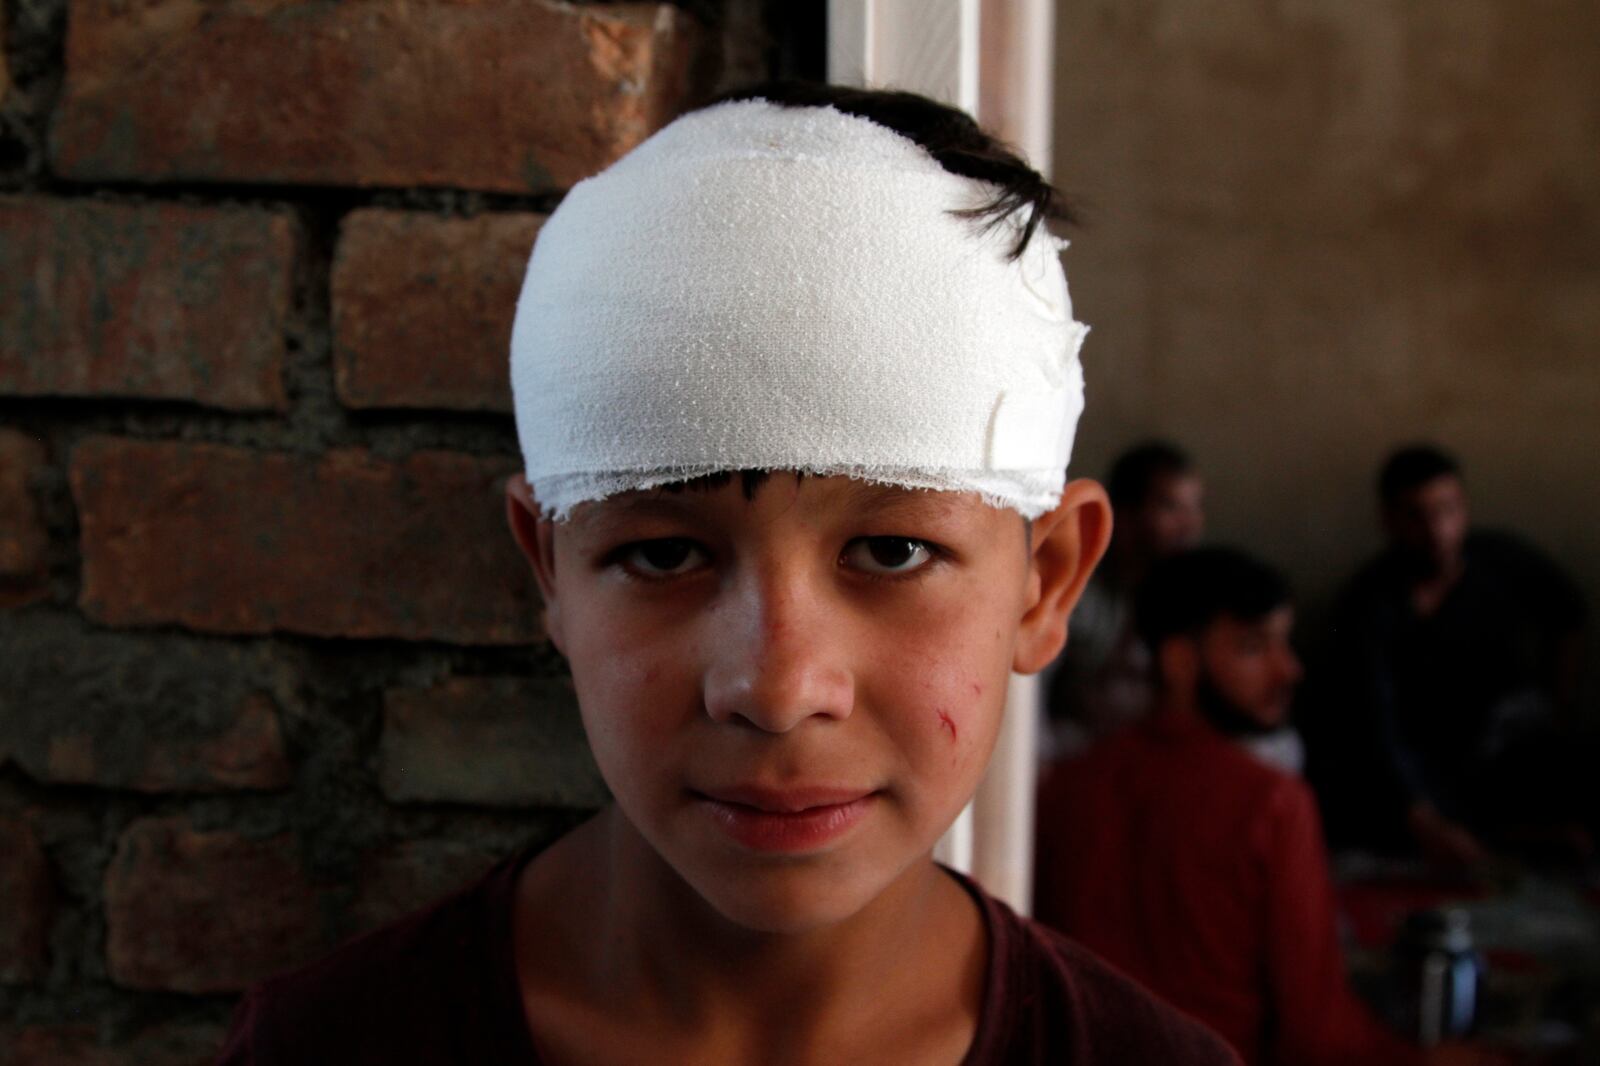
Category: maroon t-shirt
[440,987]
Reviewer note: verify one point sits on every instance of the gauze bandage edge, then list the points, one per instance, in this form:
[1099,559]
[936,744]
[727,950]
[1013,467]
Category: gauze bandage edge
[761,287]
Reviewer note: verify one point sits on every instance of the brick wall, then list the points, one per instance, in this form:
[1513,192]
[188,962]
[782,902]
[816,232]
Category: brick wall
[271,671]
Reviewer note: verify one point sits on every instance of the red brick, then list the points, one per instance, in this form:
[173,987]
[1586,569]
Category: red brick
[247,752]
[24,541]
[80,705]
[508,95]
[235,541]
[401,878]
[170,1044]
[497,741]
[194,911]
[422,308]
[152,301]
[28,895]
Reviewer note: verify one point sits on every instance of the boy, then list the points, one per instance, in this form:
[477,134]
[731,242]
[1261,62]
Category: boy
[792,379]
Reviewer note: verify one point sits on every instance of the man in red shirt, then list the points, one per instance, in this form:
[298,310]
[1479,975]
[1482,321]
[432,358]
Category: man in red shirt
[1176,854]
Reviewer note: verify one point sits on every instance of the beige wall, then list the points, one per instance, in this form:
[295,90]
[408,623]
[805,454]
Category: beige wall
[1316,228]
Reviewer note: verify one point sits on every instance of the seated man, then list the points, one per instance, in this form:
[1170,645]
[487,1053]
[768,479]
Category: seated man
[1194,866]
[1102,680]
[1456,650]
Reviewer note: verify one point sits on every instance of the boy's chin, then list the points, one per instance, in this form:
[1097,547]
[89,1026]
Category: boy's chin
[790,902]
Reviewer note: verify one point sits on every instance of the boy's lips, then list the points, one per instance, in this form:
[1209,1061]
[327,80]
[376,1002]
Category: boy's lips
[792,799]
[785,819]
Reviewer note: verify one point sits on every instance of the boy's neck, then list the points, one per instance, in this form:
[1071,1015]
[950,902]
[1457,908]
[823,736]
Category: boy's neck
[641,938]
[690,951]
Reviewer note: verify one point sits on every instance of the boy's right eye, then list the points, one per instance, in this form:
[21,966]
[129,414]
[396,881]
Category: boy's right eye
[664,557]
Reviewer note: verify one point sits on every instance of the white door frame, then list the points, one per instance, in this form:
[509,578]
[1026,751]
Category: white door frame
[993,59]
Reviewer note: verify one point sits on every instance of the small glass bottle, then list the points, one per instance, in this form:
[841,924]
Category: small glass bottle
[1439,973]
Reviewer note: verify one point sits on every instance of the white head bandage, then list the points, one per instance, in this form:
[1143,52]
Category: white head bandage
[760,287]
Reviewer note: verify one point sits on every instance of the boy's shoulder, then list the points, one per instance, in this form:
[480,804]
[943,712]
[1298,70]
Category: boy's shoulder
[1052,1000]
[434,986]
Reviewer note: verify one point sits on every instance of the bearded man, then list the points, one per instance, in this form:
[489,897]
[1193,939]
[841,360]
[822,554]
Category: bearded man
[1178,854]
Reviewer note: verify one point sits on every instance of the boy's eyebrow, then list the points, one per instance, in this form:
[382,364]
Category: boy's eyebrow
[860,498]
[886,501]
[643,504]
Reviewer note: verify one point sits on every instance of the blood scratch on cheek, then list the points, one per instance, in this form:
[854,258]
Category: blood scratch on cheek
[947,724]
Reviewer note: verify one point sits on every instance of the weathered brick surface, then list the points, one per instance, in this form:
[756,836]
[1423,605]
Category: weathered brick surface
[507,95]
[154,301]
[245,752]
[26,900]
[24,541]
[195,911]
[422,308]
[156,714]
[411,874]
[237,541]
[497,741]
[171,1044]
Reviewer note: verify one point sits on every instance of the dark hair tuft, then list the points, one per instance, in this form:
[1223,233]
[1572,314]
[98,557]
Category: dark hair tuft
[951,136]
[749,481]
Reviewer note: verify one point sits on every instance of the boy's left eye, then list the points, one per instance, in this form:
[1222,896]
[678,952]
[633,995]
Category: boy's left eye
[886,555]
[662,557]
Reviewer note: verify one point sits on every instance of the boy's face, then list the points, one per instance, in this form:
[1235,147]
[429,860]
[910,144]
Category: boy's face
[793,695]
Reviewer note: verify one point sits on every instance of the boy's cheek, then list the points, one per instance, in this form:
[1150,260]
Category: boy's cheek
[952,722]
[960,746]
[969,723]
[628,703]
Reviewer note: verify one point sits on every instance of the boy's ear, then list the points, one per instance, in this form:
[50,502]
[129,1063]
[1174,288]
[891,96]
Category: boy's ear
[535,535]
[1067,543]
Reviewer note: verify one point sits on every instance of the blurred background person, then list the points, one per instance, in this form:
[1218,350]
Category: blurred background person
[1103,679]
[1182,858]
[1457,655]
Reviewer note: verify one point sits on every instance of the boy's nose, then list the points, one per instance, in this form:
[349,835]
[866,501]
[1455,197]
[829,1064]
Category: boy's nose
[776,660]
